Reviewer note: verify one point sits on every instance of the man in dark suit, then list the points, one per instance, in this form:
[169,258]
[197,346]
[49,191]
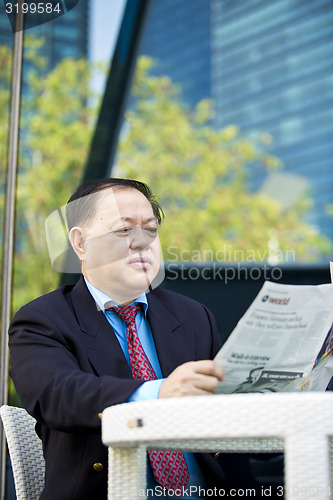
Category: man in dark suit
[70,353]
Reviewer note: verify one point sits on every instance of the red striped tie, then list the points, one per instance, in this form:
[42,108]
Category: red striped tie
[169,467]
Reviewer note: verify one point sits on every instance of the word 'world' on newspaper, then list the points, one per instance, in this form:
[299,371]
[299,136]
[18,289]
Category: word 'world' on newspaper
[284,341]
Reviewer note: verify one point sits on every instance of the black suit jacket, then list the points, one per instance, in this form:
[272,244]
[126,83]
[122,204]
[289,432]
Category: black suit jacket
[67,366]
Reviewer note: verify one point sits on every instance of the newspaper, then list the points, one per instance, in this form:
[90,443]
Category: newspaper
[284,341]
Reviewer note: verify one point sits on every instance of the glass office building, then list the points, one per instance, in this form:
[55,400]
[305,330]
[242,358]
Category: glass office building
[272,71]
[268,67]
[177,35]
[66,36]
[5,29]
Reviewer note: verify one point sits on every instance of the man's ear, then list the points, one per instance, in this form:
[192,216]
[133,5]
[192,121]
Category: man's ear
[77,239]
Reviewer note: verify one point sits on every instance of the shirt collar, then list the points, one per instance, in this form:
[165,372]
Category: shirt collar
[103,300]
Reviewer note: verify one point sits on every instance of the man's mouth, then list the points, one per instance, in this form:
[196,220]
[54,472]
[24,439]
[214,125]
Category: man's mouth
[140,262]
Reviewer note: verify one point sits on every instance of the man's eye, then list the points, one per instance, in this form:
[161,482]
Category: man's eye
[151,230]
[123,230]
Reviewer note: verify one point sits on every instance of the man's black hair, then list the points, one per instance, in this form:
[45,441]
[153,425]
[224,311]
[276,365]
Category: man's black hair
[83,209]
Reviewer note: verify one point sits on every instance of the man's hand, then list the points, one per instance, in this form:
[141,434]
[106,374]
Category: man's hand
[195,378]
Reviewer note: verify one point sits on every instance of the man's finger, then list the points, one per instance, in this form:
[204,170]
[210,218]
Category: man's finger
[209,367]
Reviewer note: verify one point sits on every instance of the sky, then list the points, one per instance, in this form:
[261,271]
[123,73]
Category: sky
[104,23]
[105,17]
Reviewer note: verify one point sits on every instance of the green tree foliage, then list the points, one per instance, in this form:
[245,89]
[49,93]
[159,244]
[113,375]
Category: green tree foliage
[57,114]
[5,67]
[198,172]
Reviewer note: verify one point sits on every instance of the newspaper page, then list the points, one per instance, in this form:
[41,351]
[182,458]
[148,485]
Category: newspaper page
[282,343]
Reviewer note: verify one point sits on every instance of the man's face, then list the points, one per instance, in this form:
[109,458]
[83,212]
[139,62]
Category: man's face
[121,249]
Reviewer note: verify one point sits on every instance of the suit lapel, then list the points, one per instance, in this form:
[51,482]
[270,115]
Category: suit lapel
[100,342]
[173,338]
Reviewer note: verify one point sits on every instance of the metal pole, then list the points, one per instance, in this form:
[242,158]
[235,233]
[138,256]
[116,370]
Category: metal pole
[105,140]
[9,224]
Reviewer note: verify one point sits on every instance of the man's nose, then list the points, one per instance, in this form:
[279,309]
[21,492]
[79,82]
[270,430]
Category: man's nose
[141,238]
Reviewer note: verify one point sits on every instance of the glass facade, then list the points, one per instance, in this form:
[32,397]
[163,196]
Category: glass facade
[178,36]
[229,120]
[267,67]
[272,71]
[5,28]
[5,79]
[66,36]
[48,134]
[59,105]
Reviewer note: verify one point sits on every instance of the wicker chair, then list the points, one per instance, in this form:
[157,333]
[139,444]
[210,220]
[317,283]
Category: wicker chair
[26,453]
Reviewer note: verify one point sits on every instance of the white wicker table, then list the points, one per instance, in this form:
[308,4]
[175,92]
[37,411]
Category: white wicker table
[300,424]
